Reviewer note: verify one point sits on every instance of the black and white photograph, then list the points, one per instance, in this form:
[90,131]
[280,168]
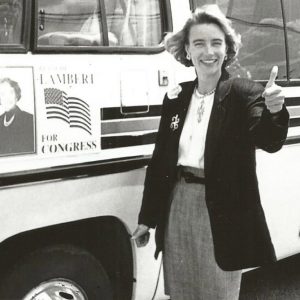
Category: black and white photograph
[149,149]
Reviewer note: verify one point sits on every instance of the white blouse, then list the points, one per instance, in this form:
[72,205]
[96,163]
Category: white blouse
[193,136]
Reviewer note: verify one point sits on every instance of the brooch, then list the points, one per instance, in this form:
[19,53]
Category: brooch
[174,123]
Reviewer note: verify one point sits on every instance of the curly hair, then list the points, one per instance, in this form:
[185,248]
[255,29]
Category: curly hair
[14,85]
[206,14]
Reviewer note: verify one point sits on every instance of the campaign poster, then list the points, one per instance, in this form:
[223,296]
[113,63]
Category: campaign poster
[68,106]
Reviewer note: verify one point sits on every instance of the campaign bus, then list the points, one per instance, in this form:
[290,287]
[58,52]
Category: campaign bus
[81,89]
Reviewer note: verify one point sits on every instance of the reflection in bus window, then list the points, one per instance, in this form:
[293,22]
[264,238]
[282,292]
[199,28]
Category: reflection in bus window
[10,21]
[69,23]
[261,27]
[262,36]
[135,23]
[78,23]
[292,14]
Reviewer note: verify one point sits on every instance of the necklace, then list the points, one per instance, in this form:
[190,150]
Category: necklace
[206,94]
[7,123]
[200,109]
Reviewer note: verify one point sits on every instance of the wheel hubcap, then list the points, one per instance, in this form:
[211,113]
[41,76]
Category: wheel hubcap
[56,289]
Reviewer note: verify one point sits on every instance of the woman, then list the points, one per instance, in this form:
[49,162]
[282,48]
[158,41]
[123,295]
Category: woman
[201,191]
[16,126]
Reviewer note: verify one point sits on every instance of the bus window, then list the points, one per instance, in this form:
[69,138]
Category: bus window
[93,23]
[69,23]
[260,24]
[292,15]
[10,22]
[135,23]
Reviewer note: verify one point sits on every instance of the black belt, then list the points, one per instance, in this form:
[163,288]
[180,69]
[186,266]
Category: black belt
[189,177]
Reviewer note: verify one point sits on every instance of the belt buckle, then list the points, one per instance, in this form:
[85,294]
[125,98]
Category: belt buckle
[188,177]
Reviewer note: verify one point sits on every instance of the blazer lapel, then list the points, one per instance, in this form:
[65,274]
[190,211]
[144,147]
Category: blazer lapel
[217,117]
[184,99]
[179,113]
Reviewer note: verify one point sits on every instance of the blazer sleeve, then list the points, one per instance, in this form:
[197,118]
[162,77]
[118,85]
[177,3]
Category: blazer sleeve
[267,131]
[155,179]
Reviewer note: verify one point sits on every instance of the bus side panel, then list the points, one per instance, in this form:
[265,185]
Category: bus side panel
[48,203]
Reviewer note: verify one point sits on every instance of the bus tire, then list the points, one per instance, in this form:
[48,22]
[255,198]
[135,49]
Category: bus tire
[62,263]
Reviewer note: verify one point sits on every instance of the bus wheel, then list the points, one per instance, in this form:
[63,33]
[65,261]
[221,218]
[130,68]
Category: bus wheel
[57,272]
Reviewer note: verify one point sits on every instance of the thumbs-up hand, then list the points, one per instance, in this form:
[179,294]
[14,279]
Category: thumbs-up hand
[273,94]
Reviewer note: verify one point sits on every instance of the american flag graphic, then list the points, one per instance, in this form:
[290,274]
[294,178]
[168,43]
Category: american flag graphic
[71,110]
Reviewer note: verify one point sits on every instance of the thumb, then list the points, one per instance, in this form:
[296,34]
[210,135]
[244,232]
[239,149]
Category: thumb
[273,76]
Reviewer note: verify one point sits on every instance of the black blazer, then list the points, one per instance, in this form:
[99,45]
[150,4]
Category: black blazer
[239,123]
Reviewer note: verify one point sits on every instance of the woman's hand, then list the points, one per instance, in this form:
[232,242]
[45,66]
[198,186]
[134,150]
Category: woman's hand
[141,235]
[273,95]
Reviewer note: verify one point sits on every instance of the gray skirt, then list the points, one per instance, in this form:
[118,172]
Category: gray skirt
[190,268]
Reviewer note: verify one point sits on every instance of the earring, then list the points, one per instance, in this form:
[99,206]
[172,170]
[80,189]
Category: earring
[225,58]
[188,57]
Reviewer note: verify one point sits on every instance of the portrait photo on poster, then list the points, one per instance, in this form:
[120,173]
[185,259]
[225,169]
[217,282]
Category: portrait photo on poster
[17,111]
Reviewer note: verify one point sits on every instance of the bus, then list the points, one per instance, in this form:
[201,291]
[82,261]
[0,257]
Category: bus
[86,81]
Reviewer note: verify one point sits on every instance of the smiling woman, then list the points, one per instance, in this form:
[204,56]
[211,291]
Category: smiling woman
[201,190]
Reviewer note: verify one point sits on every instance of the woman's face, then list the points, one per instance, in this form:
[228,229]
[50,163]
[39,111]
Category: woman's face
[8,97]
[207,49]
